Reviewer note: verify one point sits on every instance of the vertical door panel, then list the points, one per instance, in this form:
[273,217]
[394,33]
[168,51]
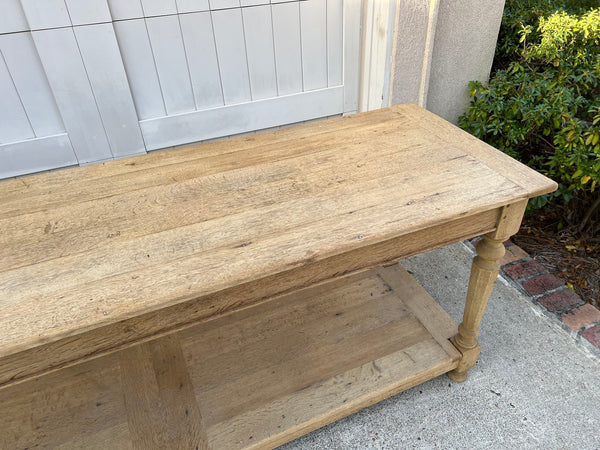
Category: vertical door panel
[30,81]
[158,7]
[68,79]
[103,63]
[288,52]
[140,67]
[186,6]
[88,11]
[98,77]
[125,9]
[314,43]
[351,54]
[14,124]
[43,14]
[12,17]
[36,138]
[253,2]
[223,4]
[231,51]
[335,42]
[171,63]
[202,58]
[259,44]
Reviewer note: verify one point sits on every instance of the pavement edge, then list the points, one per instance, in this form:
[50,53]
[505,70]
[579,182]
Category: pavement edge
[552,296]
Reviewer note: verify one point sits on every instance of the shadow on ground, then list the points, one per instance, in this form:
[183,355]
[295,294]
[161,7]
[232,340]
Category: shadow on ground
[533,387]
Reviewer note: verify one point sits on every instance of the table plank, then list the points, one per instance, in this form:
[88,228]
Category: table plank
[439,129]
[256,378]
[98,341]
[42,191]
[166,230]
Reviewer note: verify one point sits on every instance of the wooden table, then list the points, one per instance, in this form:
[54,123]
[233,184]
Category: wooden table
[241,293]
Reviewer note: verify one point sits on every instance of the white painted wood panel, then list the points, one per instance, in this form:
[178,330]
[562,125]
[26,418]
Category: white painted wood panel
[158,7]
[132,9]
[231,51]
[352,15]
[253,2]
[140,67]
[168,72]
[31,84]
[100,53]
[223,4]
[288,52]
[260,51]
[228,120]
[313,20]
[202,59]
[36,155]
[125,9]
[335,42]
[171,63]
[14,124]
[84,12]
[12,17]
[43,14]
[187,6]
[68,79]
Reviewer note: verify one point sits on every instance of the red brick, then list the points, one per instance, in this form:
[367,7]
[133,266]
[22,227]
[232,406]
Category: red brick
[593,335]
[541,284]
[563,299]
[524,269]
[581,317]
[513,253]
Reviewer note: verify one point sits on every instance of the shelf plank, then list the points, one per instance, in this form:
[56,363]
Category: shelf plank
[258,377]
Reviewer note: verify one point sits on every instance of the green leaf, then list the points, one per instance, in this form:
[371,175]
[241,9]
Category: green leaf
[589,139]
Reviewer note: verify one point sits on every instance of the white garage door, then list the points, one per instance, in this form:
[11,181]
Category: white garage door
[84,81]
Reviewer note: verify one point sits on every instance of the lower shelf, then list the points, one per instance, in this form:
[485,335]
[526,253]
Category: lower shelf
[255,378]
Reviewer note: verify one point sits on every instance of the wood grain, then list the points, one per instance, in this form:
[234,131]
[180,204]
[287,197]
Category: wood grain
[68,351]
[484,272]
[438,129]
[255,378]
[158,395]
[99,246]
[41,192]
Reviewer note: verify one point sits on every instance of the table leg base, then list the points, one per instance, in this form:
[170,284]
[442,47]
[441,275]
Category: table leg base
[468,360]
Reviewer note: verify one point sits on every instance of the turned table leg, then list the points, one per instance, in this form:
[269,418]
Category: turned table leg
[484,272]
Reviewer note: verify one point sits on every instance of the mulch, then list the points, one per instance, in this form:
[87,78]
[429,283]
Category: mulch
[571,256]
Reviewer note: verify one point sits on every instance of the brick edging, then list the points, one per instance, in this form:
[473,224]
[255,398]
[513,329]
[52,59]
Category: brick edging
[550,293]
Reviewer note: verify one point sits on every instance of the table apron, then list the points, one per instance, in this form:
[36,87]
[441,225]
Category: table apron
[91,344]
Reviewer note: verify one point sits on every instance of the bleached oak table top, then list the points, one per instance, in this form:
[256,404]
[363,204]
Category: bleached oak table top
[88,247]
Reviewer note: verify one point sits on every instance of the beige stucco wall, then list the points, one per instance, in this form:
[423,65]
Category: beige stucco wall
[440,46]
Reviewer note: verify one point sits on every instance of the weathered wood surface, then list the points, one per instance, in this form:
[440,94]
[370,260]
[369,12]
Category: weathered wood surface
[255,378]
[94,246]
[484,272]
[71,350]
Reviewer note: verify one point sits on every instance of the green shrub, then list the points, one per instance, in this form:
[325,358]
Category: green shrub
[523,13]
[544,107]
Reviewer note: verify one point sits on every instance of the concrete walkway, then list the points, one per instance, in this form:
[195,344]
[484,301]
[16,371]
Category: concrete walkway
[533,388]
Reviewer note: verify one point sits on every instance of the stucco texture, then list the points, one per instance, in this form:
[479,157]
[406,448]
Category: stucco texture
[461,48]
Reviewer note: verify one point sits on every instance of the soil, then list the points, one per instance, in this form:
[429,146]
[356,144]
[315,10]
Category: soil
[571,256]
